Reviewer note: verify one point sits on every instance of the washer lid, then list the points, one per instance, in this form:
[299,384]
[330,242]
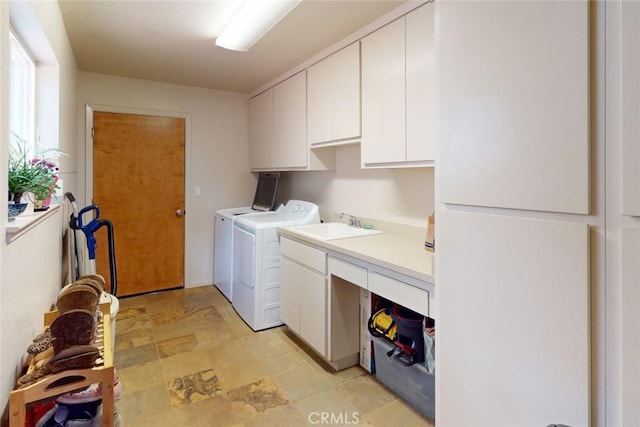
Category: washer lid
[230,212]
[273,220]
[294,213]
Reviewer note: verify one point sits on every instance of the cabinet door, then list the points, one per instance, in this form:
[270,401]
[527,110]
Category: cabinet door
[290,294]
[513,305]
[630,325]
[313,309]
[513,112]
[290,122]
[630,108]
[345,110]
[334,96]
[261,130]
[303,303]
[420,93]
[383,95]
[320,95]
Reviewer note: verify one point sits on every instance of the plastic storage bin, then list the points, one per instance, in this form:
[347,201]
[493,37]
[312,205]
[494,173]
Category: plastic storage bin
[413,383]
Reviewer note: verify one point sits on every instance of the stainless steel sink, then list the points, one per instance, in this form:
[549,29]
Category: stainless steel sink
[333,230]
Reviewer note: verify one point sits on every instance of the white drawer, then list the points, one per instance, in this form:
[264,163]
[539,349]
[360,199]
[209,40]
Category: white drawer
[305,255]
[349,272]
[399,292]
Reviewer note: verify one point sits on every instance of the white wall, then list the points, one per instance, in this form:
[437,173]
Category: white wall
[30,267]
[404,196]
[217,151]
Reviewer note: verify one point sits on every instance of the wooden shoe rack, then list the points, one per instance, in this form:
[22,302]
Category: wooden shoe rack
[74,379]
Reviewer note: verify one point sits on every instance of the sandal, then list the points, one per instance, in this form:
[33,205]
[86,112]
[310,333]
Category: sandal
[35,372]
[40,343]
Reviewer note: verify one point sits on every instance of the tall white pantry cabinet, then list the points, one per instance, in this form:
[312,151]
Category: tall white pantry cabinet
[538,204]
[517,213]
[623,210]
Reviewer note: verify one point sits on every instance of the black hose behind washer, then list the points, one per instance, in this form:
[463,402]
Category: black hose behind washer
[112,255]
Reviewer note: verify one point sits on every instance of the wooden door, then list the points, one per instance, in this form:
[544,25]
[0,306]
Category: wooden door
[138,184]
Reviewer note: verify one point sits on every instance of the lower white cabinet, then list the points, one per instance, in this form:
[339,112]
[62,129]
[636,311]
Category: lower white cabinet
[514,321]
[303,292]
[289,294]
[303,303]
[320,297]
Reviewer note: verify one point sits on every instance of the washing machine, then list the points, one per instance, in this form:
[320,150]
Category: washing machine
[256,261]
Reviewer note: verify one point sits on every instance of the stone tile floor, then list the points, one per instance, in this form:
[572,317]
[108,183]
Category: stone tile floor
[185,358]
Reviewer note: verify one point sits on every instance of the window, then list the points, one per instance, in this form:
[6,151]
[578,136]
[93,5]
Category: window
[22,95]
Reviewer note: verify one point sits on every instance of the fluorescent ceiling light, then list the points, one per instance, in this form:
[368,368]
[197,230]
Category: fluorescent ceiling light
[253,20]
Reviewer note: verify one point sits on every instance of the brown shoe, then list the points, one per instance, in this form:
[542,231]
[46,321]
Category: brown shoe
[93,280]
[96,277]
[76,357]
[74,327]
[78,296]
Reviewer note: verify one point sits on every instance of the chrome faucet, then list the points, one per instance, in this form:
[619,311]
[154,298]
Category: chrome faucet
[353,221]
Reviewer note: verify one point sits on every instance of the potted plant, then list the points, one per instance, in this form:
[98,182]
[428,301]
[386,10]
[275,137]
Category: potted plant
[42,193]
[37,176]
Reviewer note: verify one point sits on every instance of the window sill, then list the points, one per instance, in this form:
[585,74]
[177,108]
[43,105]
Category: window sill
[25,222]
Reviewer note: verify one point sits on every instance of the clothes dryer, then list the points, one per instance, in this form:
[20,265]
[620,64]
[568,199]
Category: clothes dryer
[264,201]
[223,247]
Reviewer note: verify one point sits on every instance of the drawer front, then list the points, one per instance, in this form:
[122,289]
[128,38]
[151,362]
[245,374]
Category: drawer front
[313,258]
[349,272]
[399,292]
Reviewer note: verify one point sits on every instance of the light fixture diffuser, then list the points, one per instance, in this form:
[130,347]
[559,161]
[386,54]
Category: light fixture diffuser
[252,21]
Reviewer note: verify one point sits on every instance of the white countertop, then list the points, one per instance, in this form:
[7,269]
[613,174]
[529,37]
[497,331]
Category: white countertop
[401,251]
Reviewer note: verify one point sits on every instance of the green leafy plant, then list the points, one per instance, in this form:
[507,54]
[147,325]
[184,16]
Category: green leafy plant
[36,176]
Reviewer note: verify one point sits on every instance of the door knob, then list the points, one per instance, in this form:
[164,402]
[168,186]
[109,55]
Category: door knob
[179,213]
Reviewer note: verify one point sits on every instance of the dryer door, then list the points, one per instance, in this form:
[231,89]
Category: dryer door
[223,253]
[244,261]
[243,258]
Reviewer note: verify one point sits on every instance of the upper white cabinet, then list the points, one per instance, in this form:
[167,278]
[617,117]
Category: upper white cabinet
[261,130]
[334,97]
[290,122]
[513,111]
[278,129]
[278,126]
[398,88]
[629,46]
[383,95]
[420,84]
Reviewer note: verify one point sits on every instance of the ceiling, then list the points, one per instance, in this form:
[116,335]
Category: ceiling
[173,41]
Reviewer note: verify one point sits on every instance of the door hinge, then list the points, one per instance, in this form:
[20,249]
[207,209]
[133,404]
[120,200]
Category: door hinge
[92,129]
